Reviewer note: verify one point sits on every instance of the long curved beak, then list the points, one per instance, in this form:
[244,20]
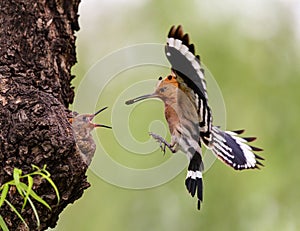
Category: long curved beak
[101,125]
[102,109]
[137,99]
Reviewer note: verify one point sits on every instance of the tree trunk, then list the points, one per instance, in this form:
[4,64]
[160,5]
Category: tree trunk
[37,51]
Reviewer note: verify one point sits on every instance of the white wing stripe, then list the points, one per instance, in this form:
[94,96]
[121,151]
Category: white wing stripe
[184,49]
[177,44]
[195,64]
[171,42]
[190,56]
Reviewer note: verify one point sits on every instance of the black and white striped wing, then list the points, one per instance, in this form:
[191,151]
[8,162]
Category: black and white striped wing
[181,55]
[234,150]
[187,66]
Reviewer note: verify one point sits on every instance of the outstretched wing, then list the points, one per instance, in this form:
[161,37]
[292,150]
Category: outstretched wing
[187,65]
[181,55]
[234,150]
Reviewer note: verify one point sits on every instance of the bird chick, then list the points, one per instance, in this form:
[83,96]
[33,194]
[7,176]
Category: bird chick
[82,126]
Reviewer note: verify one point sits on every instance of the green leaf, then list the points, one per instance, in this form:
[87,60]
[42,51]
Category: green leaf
[52,184]
[55,188]
[34,195]
[16,212]
[46,172]
[35,167]
[44,167]
[35,212]
[28,191]
[3,225]
[3,194]
[16,175]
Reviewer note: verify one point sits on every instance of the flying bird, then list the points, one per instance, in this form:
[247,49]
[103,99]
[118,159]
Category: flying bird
[189,116]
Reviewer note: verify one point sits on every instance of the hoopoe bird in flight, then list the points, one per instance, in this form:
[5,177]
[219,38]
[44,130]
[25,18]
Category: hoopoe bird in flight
[82,126]
[189,116]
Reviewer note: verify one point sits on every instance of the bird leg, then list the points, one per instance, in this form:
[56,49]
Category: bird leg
[163,143]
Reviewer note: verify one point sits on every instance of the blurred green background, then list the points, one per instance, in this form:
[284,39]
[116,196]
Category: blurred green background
[252,50]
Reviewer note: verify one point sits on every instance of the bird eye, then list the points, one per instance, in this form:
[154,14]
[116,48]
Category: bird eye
[160,78]
[162,89]
[169,77]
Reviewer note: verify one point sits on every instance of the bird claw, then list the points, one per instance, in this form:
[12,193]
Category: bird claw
[162,142]
[162,147]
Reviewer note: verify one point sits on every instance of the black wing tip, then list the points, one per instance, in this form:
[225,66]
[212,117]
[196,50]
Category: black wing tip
[258,157]
[178,33]
[253,148]
[240,131]
[186,40]
[172,31]
[259,164]
[249,139]
[192,48]
[256,149]
[199,61]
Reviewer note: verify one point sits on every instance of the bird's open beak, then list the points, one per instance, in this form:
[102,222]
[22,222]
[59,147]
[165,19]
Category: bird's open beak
[148,96]
[100,125]
[101,110]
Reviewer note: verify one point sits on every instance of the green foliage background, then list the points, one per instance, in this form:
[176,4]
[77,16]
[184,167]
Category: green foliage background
[252,50]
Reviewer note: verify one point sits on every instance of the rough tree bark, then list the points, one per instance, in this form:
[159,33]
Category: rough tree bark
[37,51]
